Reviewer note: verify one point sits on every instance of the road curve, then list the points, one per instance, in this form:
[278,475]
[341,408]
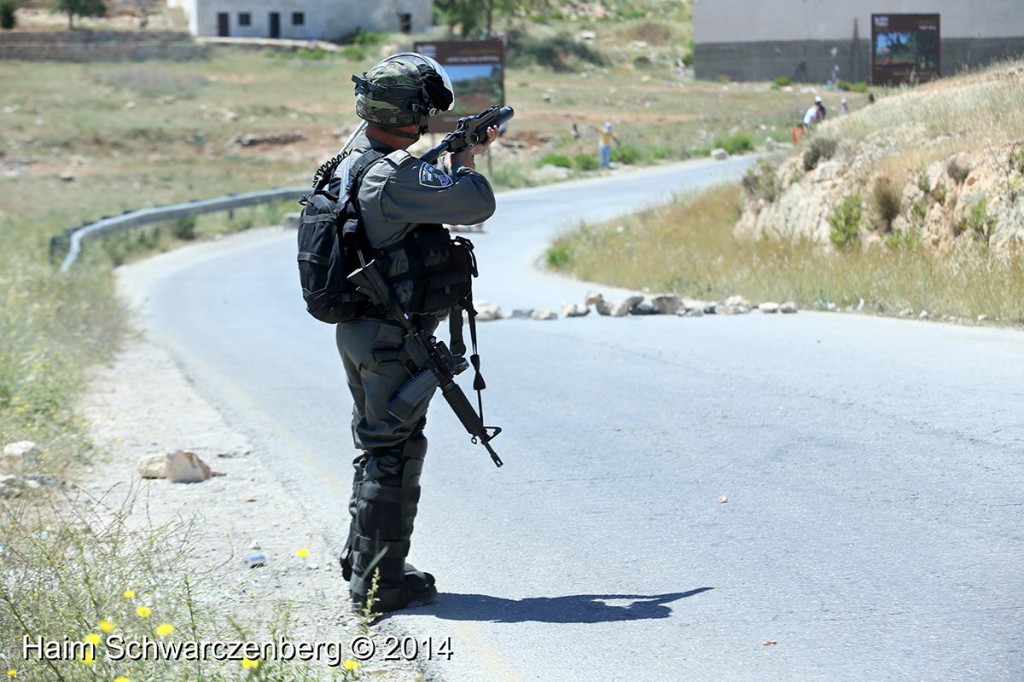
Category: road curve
[800,497]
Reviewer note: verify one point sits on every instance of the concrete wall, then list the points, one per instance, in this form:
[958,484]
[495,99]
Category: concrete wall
[814,61]
[93,46]
[807,39]
[322,19]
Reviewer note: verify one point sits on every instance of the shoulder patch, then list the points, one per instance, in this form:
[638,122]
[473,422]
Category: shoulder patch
[431,177]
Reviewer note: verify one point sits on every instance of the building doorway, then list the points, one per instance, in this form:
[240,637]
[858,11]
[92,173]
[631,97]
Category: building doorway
[223,25]
[275,24]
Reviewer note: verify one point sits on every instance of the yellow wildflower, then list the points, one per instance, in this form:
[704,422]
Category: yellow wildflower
[250,664]
[106,626]
[12,673]
[351,665]
[302,553]
[88,658]
[92,638]
[121,678]
[143,611]
[129,594]
[164,629]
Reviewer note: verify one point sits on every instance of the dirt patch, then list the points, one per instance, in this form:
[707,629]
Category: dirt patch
[143,404]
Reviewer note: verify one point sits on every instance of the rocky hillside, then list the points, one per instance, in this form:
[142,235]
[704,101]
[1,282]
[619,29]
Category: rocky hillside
[940,166]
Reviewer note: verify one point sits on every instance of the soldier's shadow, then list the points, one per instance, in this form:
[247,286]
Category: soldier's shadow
[576,608]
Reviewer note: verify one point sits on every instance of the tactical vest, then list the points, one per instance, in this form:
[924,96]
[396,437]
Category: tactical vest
[429,270]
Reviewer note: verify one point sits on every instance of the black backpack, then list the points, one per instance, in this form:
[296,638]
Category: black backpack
[328,240]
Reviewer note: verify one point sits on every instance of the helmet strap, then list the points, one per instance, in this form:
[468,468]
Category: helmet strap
[403,133]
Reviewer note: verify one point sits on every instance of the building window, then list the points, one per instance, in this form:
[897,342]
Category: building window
[405,23]
[298,18]
[244,19]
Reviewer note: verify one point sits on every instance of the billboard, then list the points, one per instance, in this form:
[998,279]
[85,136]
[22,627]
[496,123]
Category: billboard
[477,70]
[905,48]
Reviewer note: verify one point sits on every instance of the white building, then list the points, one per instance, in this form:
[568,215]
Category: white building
[810,40]
[301,19]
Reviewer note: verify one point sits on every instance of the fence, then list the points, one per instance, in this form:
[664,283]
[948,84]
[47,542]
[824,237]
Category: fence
[114,224]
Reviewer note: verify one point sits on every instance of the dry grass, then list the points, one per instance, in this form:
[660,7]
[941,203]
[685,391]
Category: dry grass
[969,110]
[688,248]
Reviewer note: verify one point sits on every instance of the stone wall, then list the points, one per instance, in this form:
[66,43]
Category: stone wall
[97,46]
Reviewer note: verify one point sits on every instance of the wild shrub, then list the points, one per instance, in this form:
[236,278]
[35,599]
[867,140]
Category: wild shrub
[8,19]
[957,171]
[847,86]
[555,159]
[559,53]
[627,153]
[736,144]
[586,162]
[781,82]
[903,240]
[924,183]
[846,220]
[643,63]
[559,256]
[1015,160]
[184,229]
[887,200]
[977,223]
[821,148]
[762,182]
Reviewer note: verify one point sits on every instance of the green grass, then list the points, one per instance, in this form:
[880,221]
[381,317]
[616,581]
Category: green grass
[95,577]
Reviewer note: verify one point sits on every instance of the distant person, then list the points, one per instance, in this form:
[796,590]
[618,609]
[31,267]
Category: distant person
[814,115]
[604,147]
[844,107]
[575,132]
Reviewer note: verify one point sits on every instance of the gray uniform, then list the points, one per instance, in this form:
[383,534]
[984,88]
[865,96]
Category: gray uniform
[397,193]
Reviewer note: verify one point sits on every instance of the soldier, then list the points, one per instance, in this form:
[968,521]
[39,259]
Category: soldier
[398,193]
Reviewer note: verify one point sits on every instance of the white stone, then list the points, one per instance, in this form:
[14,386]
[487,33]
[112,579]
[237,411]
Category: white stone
[544,315]
[574,310]
[486,312]
[667,304]
[769,307]
[152,466]
[10,486]
[626,306]
[16,456]
[788,307]
[185,467]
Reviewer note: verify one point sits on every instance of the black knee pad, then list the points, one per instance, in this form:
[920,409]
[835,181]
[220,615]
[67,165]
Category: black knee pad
[385,505]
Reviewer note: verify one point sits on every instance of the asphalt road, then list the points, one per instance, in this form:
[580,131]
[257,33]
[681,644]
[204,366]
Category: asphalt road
[872,469]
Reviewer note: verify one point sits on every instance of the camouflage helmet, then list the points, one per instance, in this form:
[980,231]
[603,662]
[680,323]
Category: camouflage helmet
[403,89]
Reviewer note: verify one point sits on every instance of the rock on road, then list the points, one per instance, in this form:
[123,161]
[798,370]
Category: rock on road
[758,497]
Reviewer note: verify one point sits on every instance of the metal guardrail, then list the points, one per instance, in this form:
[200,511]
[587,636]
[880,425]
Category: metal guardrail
[147,216]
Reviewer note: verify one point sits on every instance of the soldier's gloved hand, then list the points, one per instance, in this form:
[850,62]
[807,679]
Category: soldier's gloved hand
[465,157]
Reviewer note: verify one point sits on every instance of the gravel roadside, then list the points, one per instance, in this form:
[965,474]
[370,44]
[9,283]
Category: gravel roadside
[143,404]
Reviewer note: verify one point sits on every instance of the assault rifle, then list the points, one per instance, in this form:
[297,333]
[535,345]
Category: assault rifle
[470,130]
[425,350]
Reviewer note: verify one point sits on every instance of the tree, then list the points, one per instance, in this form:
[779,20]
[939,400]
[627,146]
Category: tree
[82,8]
[476,17]
[8,19]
